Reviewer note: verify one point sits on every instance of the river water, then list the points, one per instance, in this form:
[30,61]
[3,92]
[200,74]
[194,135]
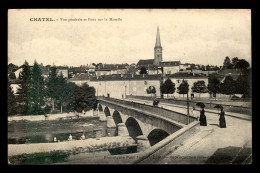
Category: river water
[21,132]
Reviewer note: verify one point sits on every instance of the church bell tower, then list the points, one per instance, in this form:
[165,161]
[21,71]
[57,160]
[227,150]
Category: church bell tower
[157,49]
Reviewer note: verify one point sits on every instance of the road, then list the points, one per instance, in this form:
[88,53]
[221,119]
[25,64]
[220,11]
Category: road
[211,144]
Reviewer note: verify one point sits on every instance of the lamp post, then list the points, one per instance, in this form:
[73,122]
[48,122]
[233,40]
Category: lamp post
[188,110]
[125,91]
[161,79]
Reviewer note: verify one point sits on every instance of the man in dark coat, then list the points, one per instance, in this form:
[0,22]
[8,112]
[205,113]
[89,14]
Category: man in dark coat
[203,119]
[155,102]
[222,120]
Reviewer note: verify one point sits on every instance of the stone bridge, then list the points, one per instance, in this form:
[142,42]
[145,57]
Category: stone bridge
[146,124]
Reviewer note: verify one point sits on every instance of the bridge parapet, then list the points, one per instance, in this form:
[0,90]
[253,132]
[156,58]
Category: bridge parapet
[153,154]
[176,116]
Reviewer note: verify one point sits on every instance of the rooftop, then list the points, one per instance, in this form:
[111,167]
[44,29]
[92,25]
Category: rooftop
[145,62]
[118,77]
[187,75]
[169,63]
[79,77]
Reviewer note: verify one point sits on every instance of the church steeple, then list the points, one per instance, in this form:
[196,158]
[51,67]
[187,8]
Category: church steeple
[158,41]
[157,49]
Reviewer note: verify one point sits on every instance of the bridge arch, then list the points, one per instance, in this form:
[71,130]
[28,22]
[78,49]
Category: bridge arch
[133,127]
[117,117]
[156,136]
[100,107]
[107,111]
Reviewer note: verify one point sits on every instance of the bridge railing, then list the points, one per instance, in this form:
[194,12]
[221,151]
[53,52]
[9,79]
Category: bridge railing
[209,105]
[176,116]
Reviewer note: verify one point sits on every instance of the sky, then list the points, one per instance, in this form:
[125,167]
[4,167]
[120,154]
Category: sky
[191,36]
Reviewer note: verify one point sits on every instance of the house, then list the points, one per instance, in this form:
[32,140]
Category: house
[132,70]
[151,69]
[186,67]
[101,72]
[191,78]
[80,79]
[170,67]
[63,71]
[109,69]
[145,63]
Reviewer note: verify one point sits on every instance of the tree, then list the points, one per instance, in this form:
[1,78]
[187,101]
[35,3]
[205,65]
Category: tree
[24,94]
[69,75]
[227,63]
[12,75]
[168,87]
[38,91]
[70,99]
[234,61]
[243,85]
[214,84]
[228,86]
[85,98]
[51,84]
[143,70]
[11,100]
[241,64]
[62,91]
[199,87]
[151,90]
[183,88]
[11,67]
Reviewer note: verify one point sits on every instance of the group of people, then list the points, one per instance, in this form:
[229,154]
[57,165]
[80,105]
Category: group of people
[203,120]
[70,138]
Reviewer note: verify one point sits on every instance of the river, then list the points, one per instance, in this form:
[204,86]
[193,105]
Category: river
[33,132]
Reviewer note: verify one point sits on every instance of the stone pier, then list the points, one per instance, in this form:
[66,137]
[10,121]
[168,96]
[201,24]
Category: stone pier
[95,113]
[102,116]
[111,131]
[142,143]
[110,122]
[122,130]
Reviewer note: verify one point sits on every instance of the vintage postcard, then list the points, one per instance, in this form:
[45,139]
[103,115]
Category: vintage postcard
[129,86]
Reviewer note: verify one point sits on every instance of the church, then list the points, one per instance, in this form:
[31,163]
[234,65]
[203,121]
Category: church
[154,65]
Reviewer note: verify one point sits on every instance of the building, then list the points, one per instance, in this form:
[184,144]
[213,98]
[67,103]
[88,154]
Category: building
[157,54]
[157,49]
[191,79]
[118,86]
[80,79]
[110,69]
[102,72]
[170,67]
[63,71]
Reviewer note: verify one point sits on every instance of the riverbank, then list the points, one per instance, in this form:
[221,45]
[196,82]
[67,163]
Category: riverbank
[20,153]
[71,115]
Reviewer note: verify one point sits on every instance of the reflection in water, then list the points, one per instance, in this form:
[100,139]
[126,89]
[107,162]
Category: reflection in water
[49,137]
[45,132]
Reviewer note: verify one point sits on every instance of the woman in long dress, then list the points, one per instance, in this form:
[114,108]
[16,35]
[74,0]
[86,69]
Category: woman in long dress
[203,119]
[222,120]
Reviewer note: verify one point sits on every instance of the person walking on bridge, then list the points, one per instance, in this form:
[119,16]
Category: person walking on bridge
[203,119]
[222,120]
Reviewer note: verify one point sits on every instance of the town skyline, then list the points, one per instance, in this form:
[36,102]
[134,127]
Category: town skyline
[215,33]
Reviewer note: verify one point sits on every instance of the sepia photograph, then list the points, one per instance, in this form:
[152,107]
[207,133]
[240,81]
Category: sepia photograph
[129,86]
